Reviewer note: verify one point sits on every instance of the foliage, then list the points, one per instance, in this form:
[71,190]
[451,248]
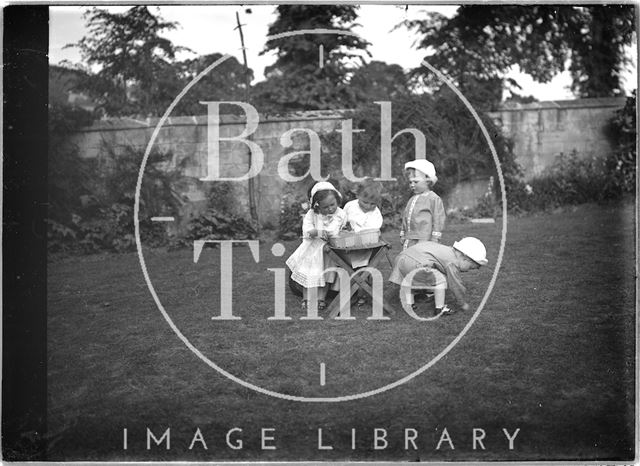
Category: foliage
[488,205]
[135,74]
[110,228]
[379,81]
[571,180]
[295,81]
[226,82]
[622,130]
[62,80]
[138,72]
[598,58]
[102,217]
[292,210]
[68,174]
[294,51]
[454,143]
[218,222]
[574,180]
[478,46]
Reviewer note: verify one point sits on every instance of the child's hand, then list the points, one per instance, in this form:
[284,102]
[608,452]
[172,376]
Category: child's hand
[312,233]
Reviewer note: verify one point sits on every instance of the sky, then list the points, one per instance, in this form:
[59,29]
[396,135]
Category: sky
[212,28]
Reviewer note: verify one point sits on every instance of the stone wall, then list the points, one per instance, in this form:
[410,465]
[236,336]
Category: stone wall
[540,131]
[186,139]
[543,130]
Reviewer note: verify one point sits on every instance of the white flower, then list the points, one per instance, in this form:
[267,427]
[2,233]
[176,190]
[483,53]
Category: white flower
[528,189]
[304,205]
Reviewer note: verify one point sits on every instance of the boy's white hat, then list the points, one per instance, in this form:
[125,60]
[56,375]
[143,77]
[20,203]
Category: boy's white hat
[423,166]
[473,249]
[323,185]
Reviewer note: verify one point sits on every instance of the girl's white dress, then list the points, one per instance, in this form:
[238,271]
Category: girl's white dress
[308,262]
[361,220]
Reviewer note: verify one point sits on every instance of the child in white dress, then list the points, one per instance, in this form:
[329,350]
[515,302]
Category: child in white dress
[324,219]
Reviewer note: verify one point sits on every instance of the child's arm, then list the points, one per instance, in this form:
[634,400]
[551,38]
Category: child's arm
[349,222]
[308,225]
[454,283]
[439,218]
[337,223]
[403,225]
[375,220]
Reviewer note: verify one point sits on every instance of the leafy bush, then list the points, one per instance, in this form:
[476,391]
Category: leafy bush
[574,180]
[218,222]
[488,206]
[454,143]
[68,173]
[622,130]
[91,202]
[570,180]
[292,210]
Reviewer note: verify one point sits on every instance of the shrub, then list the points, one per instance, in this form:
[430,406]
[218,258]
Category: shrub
[217,225]
[570,180]
[217,222]
[454,143]
[621,164]
[68,173]
[292,210]
[575,180]
[91,205]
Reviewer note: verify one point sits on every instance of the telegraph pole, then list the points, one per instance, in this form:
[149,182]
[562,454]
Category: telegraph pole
[253,210]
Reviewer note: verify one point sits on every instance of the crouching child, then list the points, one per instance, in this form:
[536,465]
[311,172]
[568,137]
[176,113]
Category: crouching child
[436,267]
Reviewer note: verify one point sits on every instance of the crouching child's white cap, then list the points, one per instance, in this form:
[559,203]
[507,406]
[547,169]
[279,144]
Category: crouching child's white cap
[423,166]
[473,249]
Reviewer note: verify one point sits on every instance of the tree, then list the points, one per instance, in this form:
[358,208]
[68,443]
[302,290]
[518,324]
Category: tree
[135,74]
[478,46]
[296,81]
[598,57]
[380,81]
[224,82]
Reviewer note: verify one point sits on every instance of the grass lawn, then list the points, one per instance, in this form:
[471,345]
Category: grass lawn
[551,354]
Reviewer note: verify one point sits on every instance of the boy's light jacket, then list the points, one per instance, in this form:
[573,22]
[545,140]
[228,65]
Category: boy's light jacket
[423,217]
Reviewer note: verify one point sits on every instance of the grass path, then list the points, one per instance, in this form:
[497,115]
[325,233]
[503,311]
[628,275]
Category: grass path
[552,354]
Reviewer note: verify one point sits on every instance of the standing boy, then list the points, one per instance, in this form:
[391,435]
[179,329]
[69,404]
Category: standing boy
[424,216]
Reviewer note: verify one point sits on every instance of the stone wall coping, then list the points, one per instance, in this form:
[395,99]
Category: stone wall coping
[598,102]
[125,123]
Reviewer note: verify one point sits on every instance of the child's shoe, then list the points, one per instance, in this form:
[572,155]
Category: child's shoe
[445,310]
